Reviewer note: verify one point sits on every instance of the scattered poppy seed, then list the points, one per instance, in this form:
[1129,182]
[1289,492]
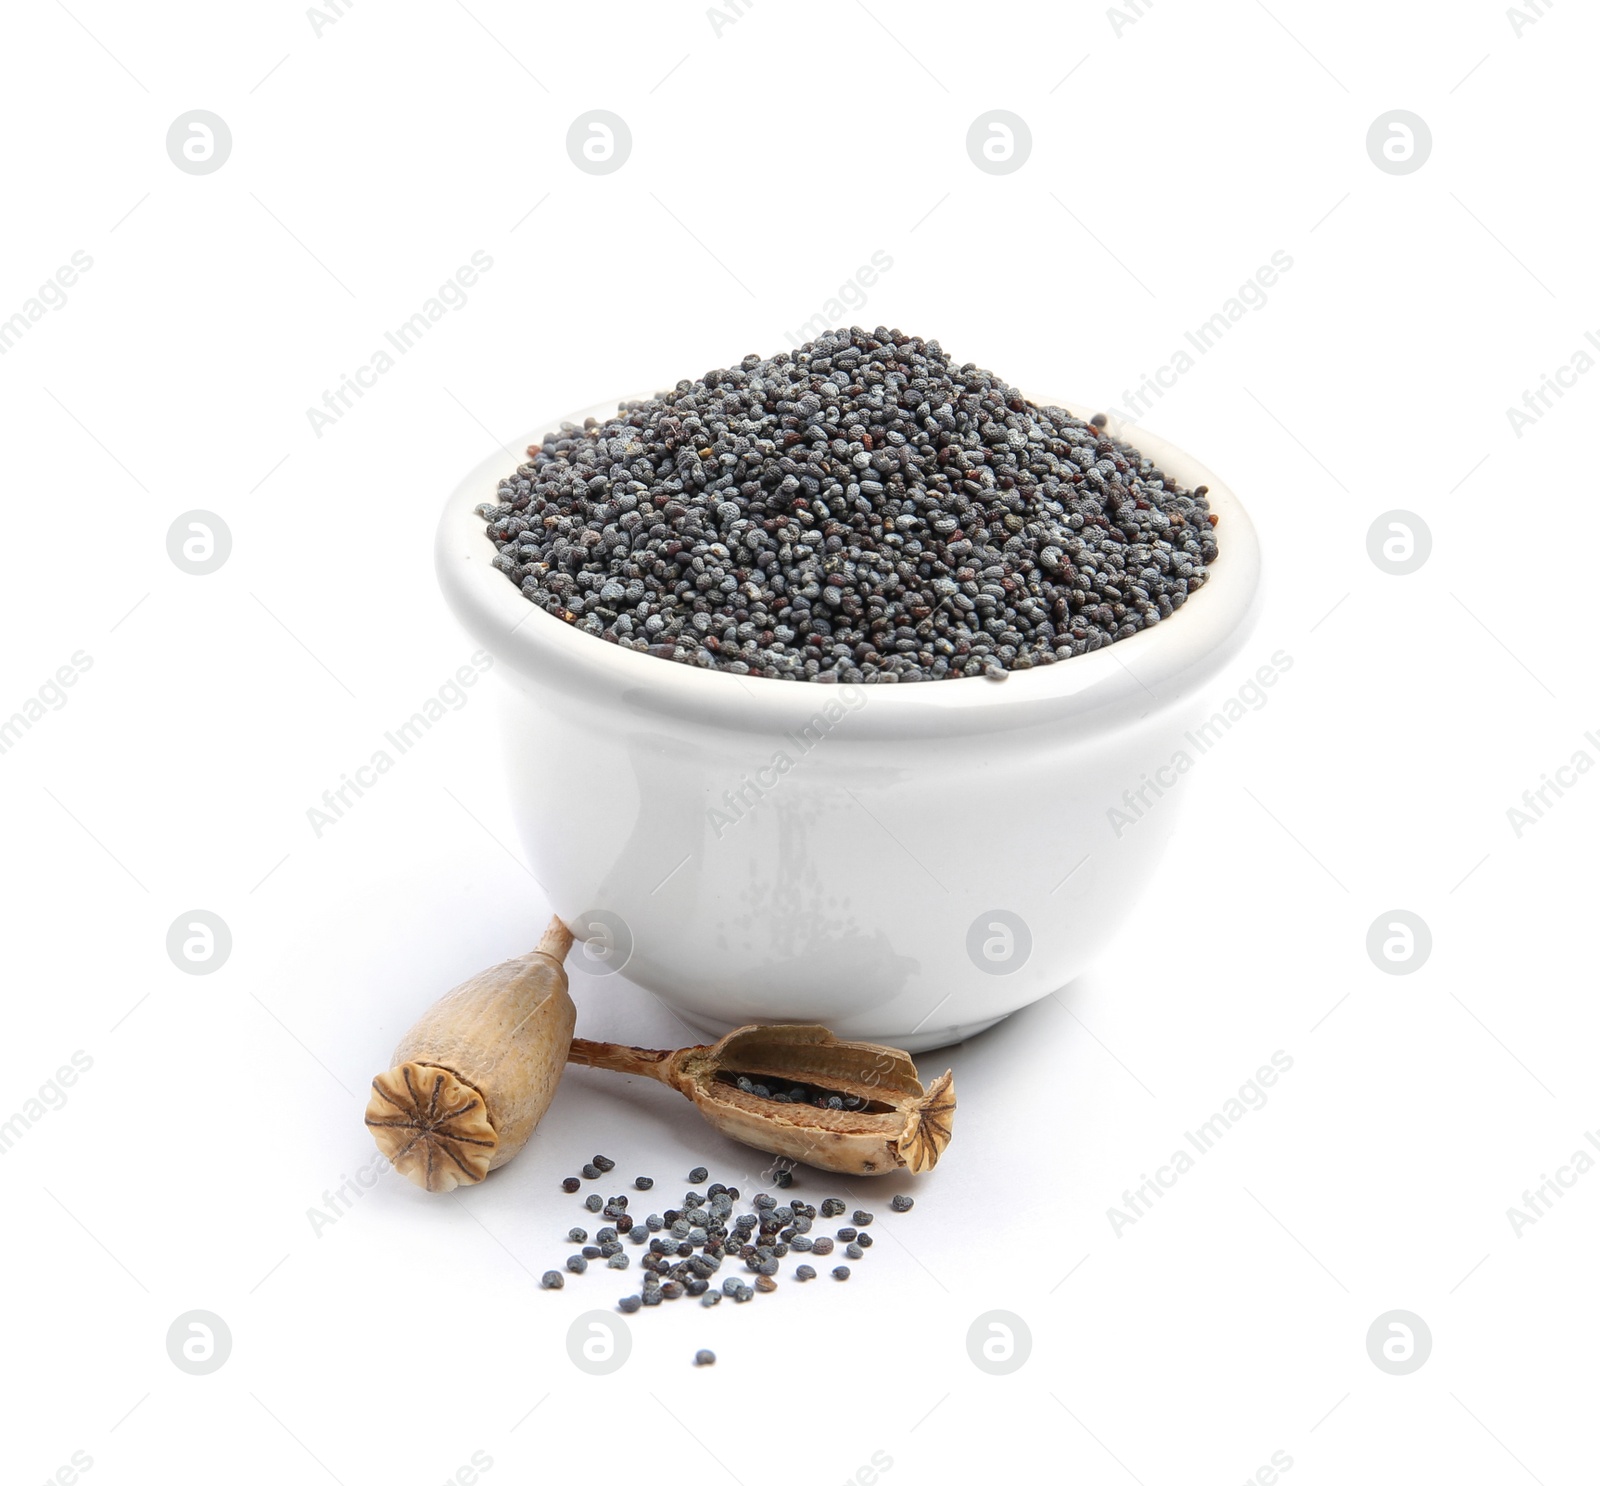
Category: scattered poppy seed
[593,1202]
[860,1218]
[644,1183]
[552,1279]
[698,1175]
[704,1357]
[570,1184]
[603,1163]
[901,1203]
[686,1247]
[590,1172]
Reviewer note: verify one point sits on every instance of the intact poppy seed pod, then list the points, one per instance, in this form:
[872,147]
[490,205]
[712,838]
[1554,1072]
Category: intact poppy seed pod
[476,1073]
[881,1119]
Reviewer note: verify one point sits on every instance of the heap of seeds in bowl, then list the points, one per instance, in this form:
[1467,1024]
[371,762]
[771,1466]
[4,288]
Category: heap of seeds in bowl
[862,509]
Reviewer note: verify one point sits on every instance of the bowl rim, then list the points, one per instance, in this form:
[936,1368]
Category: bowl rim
[1128,678]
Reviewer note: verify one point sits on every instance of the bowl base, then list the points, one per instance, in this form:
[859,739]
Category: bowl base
[910,1042]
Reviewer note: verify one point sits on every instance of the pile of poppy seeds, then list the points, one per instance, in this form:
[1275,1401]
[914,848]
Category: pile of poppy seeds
[686,1246]
[859,510]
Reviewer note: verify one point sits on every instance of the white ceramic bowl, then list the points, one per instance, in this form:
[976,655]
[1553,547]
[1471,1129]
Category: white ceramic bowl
[908,868]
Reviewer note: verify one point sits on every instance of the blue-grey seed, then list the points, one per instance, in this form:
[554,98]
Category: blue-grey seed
[690,525]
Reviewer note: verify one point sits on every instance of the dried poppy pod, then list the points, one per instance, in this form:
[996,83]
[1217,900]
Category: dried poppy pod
[474,1076]
[886,1120]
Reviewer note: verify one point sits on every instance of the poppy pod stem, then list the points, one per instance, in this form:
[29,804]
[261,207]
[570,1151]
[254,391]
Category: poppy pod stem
[616,1057]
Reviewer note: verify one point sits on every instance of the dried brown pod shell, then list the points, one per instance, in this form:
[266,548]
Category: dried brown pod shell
[901,1126]
[476,1073]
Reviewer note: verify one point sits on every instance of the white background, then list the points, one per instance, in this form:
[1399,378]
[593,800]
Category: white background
[1172,155]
